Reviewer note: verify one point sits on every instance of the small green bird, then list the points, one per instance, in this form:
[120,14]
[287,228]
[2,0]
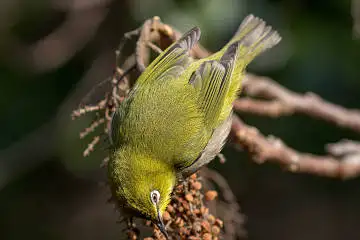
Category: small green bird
[177,118]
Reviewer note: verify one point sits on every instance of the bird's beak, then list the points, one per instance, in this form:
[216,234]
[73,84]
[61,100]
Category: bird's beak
[161,225]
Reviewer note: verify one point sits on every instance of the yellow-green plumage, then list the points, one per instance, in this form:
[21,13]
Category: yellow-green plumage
[178,116]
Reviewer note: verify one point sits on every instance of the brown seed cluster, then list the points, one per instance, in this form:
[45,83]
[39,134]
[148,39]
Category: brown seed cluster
[187,216]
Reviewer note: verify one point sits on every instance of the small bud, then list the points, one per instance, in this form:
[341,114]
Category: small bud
[211,219]
[197,227]
[132,235]
[166,216]
[184,231]
[186,205]
[181,223]
[168,31]
[219,223]
[170,208]
[211,195]
[179,188]
[222,158]
[215,230]
[196,185]
[193,238]
[206,226]
[193,176]
[196,211]
[177,220]
[207,236]
[158,234]
[189,197]
[204,210]
[294,166]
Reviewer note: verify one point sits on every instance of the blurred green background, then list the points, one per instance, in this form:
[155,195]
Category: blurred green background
[53,51]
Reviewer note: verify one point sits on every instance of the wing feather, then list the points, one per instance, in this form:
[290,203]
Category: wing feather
[175,55]
[212,80]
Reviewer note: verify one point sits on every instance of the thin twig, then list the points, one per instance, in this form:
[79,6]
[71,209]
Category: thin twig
[88,108]
[92,127]
[91,146]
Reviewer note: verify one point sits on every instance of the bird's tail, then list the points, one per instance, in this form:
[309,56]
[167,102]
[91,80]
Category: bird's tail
[254,37]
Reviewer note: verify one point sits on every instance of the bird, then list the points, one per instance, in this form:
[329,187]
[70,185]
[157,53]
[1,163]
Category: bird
[177,118]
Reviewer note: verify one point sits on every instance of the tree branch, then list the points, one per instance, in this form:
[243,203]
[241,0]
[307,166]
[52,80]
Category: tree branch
[274,150]
[286,102]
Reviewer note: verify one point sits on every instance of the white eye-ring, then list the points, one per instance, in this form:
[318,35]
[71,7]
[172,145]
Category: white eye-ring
[155,196]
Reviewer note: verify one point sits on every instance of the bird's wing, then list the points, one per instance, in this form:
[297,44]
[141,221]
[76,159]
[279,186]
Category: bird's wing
[115,122]
[213,147]
[173,60]
[212,80]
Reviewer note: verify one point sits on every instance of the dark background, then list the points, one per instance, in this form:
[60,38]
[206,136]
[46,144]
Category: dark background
[53,51]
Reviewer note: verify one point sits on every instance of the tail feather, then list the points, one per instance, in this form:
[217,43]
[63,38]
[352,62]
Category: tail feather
[254,37]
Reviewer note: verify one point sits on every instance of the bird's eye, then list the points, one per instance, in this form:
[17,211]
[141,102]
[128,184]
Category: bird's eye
[155,196]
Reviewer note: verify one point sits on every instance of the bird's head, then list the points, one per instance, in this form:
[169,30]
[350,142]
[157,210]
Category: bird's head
[144,185]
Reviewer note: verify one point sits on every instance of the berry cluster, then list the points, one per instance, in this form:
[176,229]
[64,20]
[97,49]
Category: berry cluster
[187,216]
